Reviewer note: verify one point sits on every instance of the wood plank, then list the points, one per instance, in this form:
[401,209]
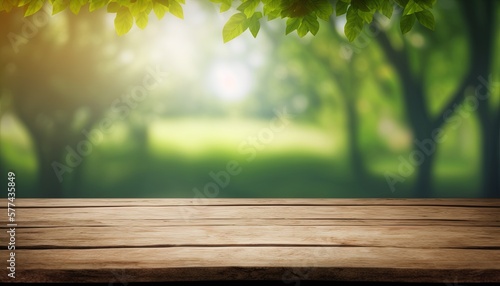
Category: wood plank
[391,240]
[167,236]
[102,222]
[223,263]
[48,203]
[135,214]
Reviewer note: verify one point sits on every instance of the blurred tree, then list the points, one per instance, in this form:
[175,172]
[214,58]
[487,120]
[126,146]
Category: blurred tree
[347,80]
[48,121]
[60,106]
[340,71]
[478,19]
[480,24]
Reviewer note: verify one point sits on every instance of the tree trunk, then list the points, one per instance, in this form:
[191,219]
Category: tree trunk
[420,124]
[417,113]
[490,163]
[49,184]
[350,94]
[47,151]
[423,184]
[480,21]
[355,155]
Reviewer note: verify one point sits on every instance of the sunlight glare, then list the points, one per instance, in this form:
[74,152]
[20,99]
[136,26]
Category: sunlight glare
[126,56]
[231,82]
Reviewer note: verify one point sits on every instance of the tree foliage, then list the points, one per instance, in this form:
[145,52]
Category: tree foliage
[301,16]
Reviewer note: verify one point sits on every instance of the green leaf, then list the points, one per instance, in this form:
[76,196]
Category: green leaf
[426,4]
[426,19]
[272,4]
[299,8]
[76,5]
[354,24]
[323,9]
[341,8]
[366,16]
[7,5]
[97,4]
[141,20]
[363,5]
[401,3]
[176,9]
[123,21]
[311,23]
[224,7]
[159,10]
[234,27]
[387,8]
[163,2]
[248,7]
[407,23]
[138,7]
[113,7]
[292,24]
[33,7]
[302,30]
[272,9]
[254,25]
[271,14]
[58,6]
[267,9]
[411,8]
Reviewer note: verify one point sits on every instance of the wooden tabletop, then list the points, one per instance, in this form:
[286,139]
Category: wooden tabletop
[152,240]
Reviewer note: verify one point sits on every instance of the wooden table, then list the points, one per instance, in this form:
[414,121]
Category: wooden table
[137,240]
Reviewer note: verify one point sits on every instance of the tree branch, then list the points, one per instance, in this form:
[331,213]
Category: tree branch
[457,97]
[478,56]
[395,57]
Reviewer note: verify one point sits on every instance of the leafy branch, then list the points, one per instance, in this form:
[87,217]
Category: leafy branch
[301,16]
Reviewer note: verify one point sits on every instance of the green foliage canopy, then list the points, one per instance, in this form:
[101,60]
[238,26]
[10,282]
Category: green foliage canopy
[300,15]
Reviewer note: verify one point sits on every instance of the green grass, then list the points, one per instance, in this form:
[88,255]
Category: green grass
[16,151]
[301,161]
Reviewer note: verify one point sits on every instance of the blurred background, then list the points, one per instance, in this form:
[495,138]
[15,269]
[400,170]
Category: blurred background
[171,111]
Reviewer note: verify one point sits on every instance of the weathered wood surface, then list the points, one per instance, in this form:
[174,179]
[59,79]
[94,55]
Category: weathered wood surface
[137,240]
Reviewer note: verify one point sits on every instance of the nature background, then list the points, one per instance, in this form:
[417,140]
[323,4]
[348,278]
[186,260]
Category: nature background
[355,108]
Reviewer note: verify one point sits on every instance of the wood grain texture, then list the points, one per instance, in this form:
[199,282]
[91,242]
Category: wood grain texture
[136,240]
[242,202]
